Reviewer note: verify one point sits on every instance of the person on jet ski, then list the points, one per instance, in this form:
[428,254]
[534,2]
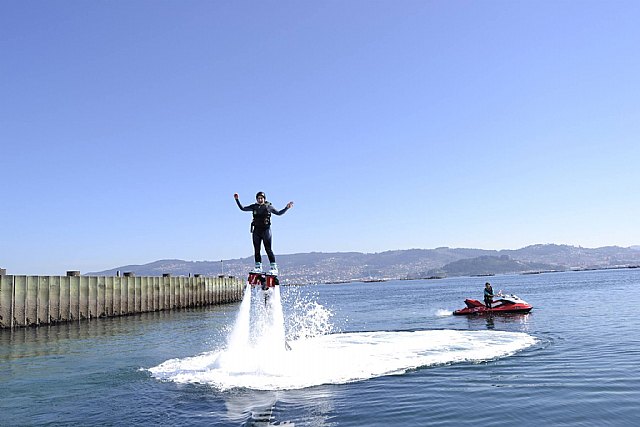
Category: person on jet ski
[261,228]
[488,295]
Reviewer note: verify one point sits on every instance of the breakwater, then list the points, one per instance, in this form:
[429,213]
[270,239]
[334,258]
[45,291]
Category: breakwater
[42,300]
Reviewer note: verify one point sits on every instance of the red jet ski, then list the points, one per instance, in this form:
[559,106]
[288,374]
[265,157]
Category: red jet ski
[504,304]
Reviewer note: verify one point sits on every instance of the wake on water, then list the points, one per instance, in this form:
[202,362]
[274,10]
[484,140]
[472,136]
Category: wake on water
[258,355]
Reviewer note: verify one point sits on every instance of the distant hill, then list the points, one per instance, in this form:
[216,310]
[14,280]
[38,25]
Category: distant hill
[490,265]
[320,267]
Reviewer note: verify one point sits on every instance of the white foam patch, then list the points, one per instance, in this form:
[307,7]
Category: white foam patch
[339,358]
[443,313]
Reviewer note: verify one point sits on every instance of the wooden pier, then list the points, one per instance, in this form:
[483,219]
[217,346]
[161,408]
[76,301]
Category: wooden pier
[44,300]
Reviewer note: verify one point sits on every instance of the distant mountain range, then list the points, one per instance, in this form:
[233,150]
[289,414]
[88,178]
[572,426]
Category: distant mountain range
[319,267]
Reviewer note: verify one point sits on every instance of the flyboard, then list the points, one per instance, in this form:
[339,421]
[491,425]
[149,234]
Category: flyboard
[265,281]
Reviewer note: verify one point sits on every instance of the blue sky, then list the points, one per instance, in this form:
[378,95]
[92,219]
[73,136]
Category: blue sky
[127,126]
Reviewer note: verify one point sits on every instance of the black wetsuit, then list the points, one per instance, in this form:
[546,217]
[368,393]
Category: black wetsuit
[488,296]
[261,227]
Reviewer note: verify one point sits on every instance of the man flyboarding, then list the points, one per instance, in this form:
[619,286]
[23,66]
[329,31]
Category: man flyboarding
[261,234]
[261,229]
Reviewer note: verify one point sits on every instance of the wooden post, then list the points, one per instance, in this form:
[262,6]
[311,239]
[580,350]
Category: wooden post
[108,297]
[94,299]
[6,301]
[191,289]
[157,296]
[101,296]
[117,296]
[181,292]
[199,290]
[173,289]
[137,305]
[31,301]
[65,298]
[54,299]
[164,297]
[74,297]
[19,300]
[144,295]
[43,300]
[131,294]
[193,292]
[83,300]
[207,290]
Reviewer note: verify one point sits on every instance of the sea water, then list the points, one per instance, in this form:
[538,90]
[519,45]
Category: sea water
[258,356]
[385,353]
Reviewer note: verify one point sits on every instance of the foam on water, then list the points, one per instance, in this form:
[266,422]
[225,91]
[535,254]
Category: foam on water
[256,356]
[442,312]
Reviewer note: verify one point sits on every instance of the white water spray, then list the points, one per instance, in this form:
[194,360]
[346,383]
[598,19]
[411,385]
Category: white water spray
[255,356]
[257,342]
[239,336]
